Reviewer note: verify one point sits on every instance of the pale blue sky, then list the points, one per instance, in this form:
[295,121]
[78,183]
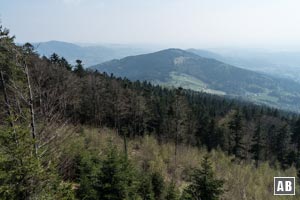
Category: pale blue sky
[188,23]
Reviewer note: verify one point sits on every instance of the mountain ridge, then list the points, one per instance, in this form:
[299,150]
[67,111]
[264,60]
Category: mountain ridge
[179,68]
[89,54]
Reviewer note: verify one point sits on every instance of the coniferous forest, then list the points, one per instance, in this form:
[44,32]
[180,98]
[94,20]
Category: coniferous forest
[71,133]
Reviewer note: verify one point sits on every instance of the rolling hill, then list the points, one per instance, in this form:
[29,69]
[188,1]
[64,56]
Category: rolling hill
[179,68]
[282,64]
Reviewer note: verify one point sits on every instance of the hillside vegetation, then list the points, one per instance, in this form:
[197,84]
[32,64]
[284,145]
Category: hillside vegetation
[242,180]
[69,133]
[175,67]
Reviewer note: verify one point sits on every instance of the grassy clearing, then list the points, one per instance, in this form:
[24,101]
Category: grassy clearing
[189,82]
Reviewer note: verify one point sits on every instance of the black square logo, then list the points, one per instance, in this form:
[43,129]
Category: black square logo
[284,185]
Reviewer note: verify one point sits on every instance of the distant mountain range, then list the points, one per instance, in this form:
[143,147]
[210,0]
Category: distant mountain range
[89,54]
[176,67]
[284,64]
[210,71]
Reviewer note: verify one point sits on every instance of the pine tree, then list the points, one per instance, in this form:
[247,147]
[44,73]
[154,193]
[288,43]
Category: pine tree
[257,147]
[296,141]
[146,188]
[18,169]
[180,108]
[203,184]
[171,192]
[235,125]
[89,166]
[78,69]
[54,58]
[282,146]
[212,135]
[271,143]
[296,137]
[65,64]
[158,185]
[116,180]
[203,132]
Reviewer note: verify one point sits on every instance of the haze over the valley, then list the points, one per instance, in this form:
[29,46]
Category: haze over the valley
[266,24]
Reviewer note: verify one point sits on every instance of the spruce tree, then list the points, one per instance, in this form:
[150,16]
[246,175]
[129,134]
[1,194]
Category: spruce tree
[203,184]
[235,125]
[158,185]
[146,188]
[296,141]
[89,166]
[116,178]
[78,69]
[296,137]
[54,58]
[171,192]
[213,137]
[257,147]
[65,64]
[282,146]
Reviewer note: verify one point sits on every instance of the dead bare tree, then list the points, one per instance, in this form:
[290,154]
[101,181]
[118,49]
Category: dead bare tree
[31,107]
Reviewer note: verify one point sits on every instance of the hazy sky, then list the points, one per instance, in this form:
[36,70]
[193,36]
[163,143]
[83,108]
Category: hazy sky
[193,23]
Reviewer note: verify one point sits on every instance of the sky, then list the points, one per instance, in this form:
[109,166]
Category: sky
[176,23]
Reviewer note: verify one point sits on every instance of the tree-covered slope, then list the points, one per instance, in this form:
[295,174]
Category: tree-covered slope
[175,67]
[153,136]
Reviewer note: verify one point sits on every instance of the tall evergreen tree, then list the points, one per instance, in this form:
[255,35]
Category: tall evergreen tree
[181,109]
[296,136]
[257,147]
[212,136]
[171,192]
[235,125]
[146,188]
[271,143]
[203,184]
[158,185]
[296,141]
[88,169]
[54,58]
[282,146]
[78,69]
[116,180]
[65,64]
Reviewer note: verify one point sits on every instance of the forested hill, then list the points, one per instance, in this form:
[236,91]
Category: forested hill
[41,98]
[139,108]
[179,68]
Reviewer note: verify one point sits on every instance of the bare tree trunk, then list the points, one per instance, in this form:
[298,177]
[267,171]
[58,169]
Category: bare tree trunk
[31,107]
